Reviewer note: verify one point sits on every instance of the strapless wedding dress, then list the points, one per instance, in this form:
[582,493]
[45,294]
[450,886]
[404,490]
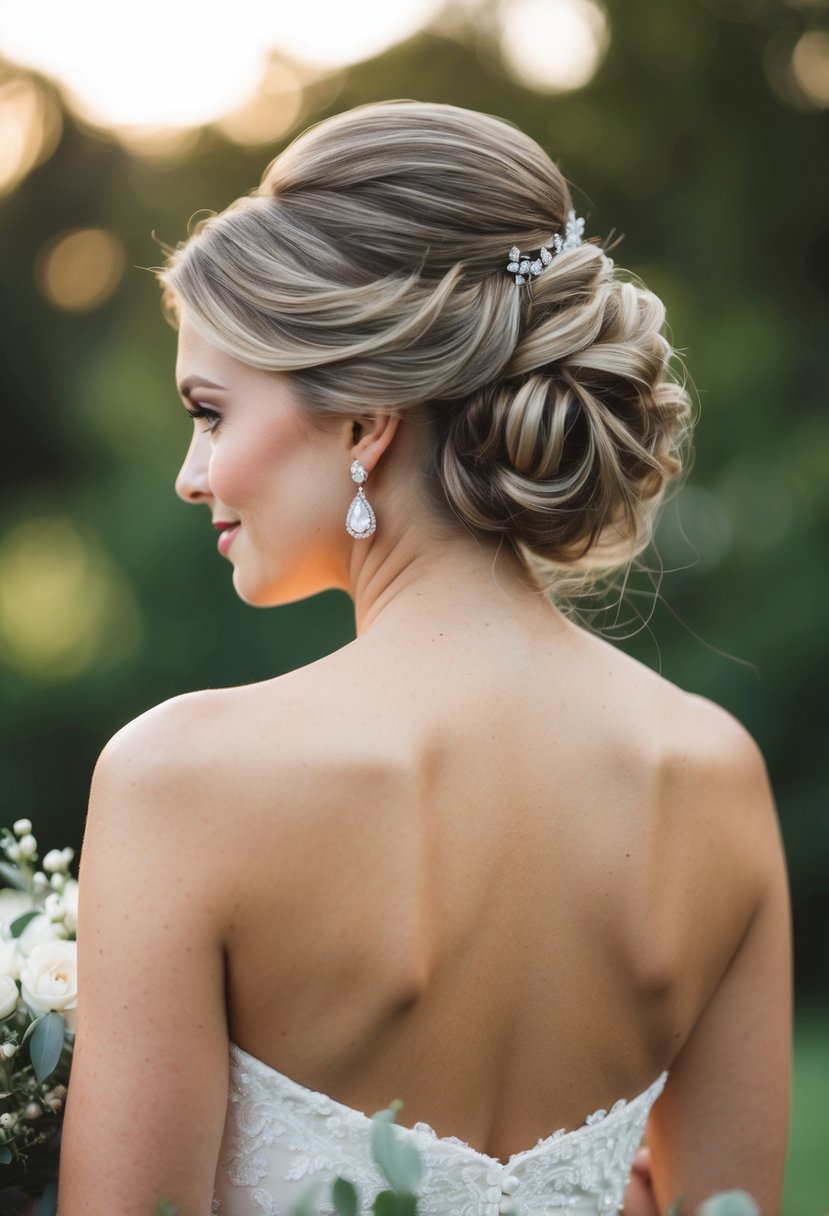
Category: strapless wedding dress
[279,1137]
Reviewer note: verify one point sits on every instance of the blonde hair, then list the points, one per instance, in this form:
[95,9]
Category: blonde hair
[369,265]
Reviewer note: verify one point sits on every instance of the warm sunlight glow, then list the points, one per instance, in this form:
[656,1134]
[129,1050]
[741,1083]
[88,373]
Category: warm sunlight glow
[174,63]
[79,270]
[63,605]
[271,113]
[553,45]
[30,129]
[810,64]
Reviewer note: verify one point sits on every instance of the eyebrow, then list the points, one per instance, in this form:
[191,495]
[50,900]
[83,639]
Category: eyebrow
[190,382]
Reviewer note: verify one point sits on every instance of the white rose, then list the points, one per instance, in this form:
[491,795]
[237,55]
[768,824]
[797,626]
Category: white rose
[39,929]
[12,905]
[8,958]
[70,904]
[22,827]
[8,996]
[49,980]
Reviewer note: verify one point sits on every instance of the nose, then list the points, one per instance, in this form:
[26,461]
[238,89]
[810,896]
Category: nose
[191,483]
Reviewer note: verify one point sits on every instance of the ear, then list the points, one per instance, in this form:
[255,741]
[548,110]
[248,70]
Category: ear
[371,435]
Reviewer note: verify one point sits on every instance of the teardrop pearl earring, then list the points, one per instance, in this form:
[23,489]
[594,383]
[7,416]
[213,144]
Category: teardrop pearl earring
[360,522]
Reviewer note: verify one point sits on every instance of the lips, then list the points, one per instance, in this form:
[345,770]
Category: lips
[228,530]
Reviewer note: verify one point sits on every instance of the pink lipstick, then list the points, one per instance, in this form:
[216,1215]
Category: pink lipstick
[228,532]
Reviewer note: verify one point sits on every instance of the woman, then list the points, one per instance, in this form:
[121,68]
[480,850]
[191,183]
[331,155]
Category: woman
[478,859]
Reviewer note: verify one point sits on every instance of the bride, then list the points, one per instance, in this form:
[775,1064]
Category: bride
[479,859]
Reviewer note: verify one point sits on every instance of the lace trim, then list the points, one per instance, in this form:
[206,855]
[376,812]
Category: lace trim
[323,1105]
[282,1137]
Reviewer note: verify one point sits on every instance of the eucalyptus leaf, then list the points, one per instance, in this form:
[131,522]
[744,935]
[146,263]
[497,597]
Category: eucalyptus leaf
[730,1203]
[400,1162]
[385,1204]
[46,1204]
[344,1197]
[20,922]
[31,1028]
[12,877]
[5,1155]
[46,1044]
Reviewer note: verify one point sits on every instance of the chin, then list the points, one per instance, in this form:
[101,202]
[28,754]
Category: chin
[268,595]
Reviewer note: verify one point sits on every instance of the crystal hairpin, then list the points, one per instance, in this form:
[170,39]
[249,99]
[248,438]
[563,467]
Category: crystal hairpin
[524,267]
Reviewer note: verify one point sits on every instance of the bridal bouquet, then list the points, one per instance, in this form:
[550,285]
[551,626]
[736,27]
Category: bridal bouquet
[38,1007]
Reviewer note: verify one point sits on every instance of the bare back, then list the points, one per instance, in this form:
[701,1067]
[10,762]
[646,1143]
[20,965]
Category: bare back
[487,882]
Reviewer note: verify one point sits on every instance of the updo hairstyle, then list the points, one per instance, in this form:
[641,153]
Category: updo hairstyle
[369,266]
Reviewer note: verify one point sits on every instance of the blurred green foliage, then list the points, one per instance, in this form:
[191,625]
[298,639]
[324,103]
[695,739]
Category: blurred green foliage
[719,186]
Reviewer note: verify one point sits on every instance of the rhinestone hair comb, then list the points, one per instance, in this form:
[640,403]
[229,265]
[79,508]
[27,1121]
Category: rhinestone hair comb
[523,266]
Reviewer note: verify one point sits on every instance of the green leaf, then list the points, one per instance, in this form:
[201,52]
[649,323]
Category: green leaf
[5,1155]
[395,1203]
[46,1044]
[400,1162]
[20,922]
[344,1197]
[385,1204]
[730,1203]
[30,1028]
[12,877]
[46,1204]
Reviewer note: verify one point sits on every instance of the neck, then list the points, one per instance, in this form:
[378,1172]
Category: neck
[422,580]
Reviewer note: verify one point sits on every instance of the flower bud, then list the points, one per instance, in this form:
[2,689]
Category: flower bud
[53,861]
[67,855]
[54,906]
[32,1111]
[54,1104]
[7,1120]
[27,845]
[40,882]
[9,1050]
[22,827]
[13,852]
[57,881]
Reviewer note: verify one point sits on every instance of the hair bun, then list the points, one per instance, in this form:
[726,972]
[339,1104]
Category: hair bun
[569,454]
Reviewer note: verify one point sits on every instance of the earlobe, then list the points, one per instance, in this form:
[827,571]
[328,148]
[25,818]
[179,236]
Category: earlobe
[372,434]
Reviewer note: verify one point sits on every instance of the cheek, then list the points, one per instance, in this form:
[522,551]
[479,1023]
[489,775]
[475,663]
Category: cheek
[233,473]
[249,470]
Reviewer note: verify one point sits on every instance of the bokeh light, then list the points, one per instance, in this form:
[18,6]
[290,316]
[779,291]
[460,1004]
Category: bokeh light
[810,64]
[271,112]
[78,270]
[64,607]
[189,64]
[30,129]
[553,45]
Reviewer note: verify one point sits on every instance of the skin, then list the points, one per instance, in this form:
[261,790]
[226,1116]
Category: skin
[502,870]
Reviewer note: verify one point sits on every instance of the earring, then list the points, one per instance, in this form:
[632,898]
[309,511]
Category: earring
[360,521]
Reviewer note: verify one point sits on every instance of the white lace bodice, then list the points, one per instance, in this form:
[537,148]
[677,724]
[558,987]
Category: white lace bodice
[280,1136]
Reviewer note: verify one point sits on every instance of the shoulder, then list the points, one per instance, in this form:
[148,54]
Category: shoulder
[719,821]
[720,756]
[279,755]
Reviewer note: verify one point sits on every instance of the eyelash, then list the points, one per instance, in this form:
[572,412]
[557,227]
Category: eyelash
[211,417]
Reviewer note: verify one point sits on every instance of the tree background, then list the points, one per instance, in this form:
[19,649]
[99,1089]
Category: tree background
[693,141]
